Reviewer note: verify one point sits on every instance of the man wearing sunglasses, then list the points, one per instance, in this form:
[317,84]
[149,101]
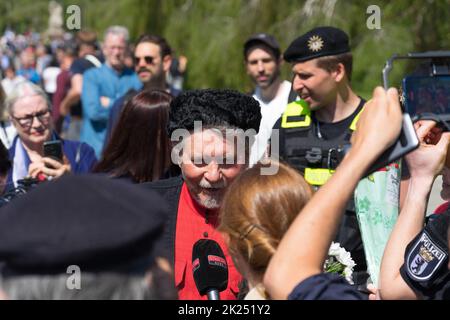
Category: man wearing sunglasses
[152,60]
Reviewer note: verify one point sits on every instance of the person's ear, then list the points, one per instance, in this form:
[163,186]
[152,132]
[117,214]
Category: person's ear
[167,61]
[339,72]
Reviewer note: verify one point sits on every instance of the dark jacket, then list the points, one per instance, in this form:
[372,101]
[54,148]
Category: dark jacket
[170,190]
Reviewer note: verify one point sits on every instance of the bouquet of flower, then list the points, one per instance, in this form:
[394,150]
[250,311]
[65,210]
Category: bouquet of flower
[339,261]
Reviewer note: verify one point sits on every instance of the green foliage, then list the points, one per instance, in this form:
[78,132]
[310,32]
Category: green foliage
[211,33]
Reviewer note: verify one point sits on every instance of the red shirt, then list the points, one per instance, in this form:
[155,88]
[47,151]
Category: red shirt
[442,208]
[193,223]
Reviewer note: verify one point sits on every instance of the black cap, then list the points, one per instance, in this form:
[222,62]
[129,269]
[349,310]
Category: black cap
[265,39]
[94,222]
[319,42]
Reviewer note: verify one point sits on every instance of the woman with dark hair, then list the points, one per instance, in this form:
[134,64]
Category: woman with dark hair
[139,148]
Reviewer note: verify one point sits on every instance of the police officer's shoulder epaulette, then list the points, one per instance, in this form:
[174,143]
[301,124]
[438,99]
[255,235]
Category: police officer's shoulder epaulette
[296,115]
[428,252]
[355,120]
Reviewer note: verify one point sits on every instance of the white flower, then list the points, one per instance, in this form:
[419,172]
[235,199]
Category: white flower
[339,261]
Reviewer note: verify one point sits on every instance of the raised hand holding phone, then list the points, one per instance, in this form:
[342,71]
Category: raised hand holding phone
[53,164]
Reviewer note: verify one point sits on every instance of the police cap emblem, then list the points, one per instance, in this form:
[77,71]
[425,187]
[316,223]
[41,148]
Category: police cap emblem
[315,43]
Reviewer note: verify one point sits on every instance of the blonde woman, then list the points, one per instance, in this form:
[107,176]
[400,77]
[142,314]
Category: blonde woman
[257,211]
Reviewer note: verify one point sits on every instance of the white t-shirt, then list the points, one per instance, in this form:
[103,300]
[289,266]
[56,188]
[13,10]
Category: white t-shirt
[49,76]
[270,113]
[9,85]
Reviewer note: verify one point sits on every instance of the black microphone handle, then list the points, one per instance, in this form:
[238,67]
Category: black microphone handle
[213,294]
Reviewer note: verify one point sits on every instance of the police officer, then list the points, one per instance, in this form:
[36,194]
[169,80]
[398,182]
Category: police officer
[313,130]
[425,269]
[296,268]
[416,258]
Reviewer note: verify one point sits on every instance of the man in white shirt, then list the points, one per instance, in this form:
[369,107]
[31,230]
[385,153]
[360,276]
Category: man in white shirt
[263,63]
[11,79]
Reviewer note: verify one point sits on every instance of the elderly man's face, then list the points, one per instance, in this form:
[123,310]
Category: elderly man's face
[209,164]
[32,120]
[114,50]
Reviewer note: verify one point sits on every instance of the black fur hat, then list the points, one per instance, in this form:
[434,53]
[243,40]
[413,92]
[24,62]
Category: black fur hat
[214,107]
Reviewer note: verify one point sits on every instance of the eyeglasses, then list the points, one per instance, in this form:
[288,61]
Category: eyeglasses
[148,59]
[27,121]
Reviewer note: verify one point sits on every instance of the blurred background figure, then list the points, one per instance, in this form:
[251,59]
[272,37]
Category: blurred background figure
[11,79]
[49,77]
[177,72]
[263,61]
[253,225]
[103,85]
[43,57]
[27,66]
[139,149]
[30,112]
[71,107]
[63,85]
[7,130]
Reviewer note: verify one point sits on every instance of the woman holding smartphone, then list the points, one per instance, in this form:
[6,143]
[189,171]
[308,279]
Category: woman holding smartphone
[30,113]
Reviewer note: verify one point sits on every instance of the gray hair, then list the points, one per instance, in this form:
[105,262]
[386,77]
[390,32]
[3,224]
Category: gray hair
[102,286]
[117,30]
[24,89]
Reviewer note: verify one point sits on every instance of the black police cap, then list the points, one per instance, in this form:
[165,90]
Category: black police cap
[94,222]
[319,42]
[265,39]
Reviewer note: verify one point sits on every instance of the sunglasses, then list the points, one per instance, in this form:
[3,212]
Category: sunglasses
[148,59]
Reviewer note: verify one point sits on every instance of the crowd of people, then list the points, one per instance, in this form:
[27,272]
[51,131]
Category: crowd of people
[147,170]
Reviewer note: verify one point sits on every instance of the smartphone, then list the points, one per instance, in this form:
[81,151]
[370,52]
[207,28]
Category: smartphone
[53,149]
[426,95]
[407,142]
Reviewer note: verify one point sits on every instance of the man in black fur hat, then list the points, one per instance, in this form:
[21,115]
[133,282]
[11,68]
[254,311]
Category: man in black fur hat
[204,126]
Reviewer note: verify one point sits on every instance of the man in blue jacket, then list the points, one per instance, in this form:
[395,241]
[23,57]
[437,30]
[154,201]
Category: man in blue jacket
[102,86]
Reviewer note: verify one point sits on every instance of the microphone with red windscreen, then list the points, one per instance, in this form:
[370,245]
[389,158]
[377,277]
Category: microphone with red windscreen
[209,268]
